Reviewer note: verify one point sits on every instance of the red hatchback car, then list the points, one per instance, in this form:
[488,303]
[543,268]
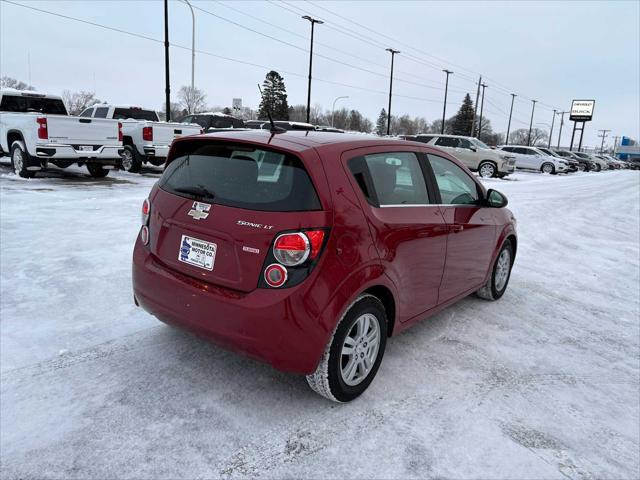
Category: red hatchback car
[308,249]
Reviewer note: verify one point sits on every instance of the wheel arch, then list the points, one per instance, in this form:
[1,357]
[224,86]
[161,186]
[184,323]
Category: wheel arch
[385,295]
[15,136]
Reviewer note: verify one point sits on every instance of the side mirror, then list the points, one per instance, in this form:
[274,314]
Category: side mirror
[495,199]
[473,149]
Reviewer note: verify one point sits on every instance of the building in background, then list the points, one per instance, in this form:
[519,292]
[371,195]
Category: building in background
[628,149]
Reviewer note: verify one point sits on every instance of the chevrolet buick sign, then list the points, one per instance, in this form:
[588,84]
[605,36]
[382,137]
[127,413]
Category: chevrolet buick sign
[582,110]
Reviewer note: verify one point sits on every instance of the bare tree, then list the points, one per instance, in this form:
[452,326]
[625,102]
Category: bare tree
[176,111]
[193,100]
[8,82]
[76,102]
[520,136]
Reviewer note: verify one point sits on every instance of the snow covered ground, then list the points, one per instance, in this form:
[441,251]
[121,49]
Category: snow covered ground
[542,384]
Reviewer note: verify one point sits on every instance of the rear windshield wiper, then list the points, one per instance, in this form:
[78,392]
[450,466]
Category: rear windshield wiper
[197,191]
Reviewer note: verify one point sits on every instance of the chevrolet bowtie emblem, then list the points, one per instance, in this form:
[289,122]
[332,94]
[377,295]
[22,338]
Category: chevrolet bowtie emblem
[199,210]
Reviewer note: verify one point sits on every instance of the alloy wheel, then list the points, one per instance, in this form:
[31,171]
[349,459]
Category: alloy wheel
[18,161]
[487,170]
[502,269]
[360,349]
[127,159]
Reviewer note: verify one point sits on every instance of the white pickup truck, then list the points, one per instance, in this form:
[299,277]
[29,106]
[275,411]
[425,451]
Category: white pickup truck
[36,130]
[145,137]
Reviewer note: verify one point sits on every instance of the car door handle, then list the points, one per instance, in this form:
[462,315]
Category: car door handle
[456,228]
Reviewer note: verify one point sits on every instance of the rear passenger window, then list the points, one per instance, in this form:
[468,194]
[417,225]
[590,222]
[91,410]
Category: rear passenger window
[389,179]
[101,112]
[455,185]
[240,176]
[447,142]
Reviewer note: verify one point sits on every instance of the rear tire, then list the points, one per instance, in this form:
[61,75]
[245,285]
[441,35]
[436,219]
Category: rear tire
[131,161]
[548,168]
[354,352]
[500,274]
[96,170]
[487,170]
[19,160]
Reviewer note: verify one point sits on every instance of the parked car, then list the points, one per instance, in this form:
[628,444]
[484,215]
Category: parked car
[308,249]
[255,124]
[574,165]
[35,130]
[599,164]
[213,121]
[584,165]
[475,155]
[530,158]
[328,128]
[145,138]
[613,164]
[286,125]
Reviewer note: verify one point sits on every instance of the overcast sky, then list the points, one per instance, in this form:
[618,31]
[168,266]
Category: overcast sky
[549,51]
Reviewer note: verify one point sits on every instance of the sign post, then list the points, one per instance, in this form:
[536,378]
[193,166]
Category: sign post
[581,112]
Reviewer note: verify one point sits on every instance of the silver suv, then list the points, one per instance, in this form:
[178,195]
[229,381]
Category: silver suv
[476,155]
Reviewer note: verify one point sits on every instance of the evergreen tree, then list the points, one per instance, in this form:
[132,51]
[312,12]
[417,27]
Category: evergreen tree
[381,124]
[355,121]
[464,118]
[274,97]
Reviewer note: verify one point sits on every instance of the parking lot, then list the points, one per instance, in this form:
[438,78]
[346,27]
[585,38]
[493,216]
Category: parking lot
[541,384]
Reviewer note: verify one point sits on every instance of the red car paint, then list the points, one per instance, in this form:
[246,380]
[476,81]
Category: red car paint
[417,259]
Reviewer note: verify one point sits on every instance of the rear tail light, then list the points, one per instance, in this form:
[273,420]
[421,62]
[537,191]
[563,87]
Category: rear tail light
[147,134]
[144,231]
[292,258]
[42,128]
[119,131]
[292,249]
[146,209]
[275,275]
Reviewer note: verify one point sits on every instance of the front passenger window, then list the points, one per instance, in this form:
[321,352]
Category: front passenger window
[455,185]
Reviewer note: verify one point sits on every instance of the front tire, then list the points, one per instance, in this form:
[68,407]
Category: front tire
[354,353]
[548,168]
[19,160]
[500,275]
[487,170]
[131,161]
[96,170]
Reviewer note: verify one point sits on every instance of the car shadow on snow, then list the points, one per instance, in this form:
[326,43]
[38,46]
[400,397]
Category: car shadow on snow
[72,176]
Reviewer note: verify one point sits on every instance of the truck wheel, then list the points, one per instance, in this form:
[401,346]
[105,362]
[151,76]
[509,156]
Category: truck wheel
[353,355]
[19,160]
[131,161]
[487,169]
[96,170]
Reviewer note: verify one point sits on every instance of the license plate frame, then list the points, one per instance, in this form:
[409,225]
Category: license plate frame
[85,148]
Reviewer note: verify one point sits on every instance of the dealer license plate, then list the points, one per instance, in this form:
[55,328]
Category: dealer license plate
[85,148]
[197,252]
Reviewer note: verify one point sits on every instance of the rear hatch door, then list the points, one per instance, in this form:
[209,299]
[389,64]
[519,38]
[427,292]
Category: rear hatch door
[220,206]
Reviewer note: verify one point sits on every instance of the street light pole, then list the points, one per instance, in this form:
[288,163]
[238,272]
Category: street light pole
[313,22]
[551,131]
[531,123]
[483,85]
[513,97]
[193,46]
[444,107]
[475,109]
[333,108]
[167,87]
[393,53]
[561,124]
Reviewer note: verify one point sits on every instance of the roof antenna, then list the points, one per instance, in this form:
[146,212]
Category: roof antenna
[273,128]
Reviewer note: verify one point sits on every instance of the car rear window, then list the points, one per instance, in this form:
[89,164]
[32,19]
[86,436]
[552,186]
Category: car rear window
[20,103]
[135,113]
[240,176]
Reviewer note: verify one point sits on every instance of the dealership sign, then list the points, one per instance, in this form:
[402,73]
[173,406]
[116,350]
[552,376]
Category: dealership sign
[582,110]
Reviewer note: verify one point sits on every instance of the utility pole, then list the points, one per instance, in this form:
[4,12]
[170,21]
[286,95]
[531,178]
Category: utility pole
[193,46]
[513,97]
[561,124]
[531,123]
[551,131]
[484,85]
[615,144]
[604,135]
[313,22]
[393,54]
[444,107]
[475,109]
[167,87]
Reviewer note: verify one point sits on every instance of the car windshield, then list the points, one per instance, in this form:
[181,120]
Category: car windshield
[480,144]
[24,103]
[549,152]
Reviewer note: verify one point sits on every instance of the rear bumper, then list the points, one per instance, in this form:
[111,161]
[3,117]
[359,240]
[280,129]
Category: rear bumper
[69,152]
[276,326]
[156,151]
